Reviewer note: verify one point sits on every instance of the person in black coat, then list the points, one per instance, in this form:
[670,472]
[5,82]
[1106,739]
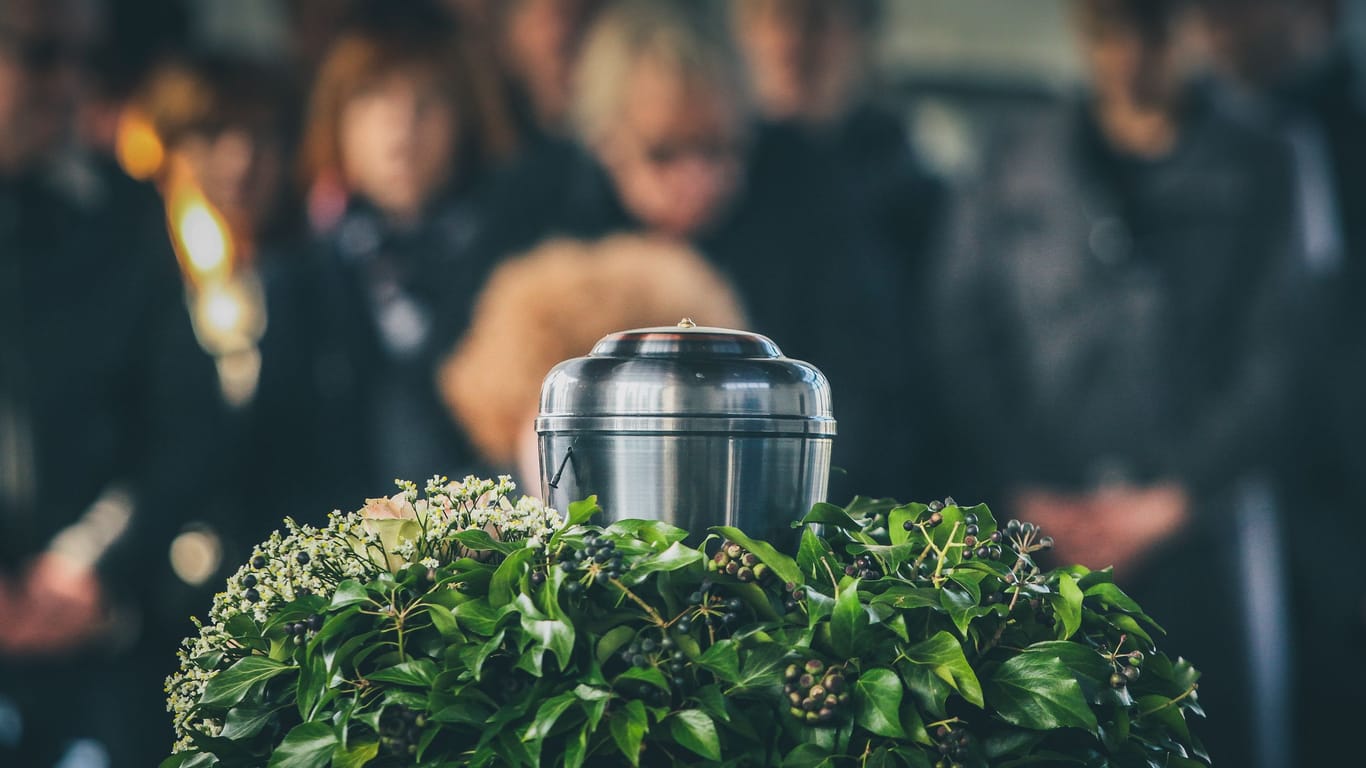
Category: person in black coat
[667,144]
[1112,323]
[1283,63]
[109,427]
[395,142]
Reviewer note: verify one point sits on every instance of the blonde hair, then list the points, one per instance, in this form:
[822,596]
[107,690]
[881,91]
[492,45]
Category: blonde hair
[689,38]
[553,304]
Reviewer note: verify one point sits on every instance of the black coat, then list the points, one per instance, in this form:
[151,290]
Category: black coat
[1105,318]
[98,359]
[347,402]
[810,276]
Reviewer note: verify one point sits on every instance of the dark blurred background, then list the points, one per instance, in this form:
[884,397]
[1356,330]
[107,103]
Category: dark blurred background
[1098,263]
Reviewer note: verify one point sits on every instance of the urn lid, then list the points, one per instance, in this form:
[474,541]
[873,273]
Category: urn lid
[686,377]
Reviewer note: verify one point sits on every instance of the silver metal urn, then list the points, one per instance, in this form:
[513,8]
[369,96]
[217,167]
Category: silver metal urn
[689,425]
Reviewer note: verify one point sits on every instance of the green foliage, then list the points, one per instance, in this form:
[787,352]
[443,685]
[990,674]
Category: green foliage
[889,638]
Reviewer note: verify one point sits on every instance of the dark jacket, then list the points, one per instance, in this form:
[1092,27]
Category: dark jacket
[100,364]
[107,394]
[347,400]
[1106,318]
[809,276]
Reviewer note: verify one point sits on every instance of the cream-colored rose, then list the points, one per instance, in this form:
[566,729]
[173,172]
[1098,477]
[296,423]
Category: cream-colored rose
[396,507]
[393,520]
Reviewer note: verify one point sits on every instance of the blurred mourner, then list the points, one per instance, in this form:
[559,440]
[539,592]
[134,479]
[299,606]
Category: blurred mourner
[1112,324]
[810,66]
[107,410]
[666,143]
[394,145]
[1287,68]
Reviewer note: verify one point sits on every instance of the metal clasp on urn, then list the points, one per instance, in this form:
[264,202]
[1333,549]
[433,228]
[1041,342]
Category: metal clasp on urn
[690,425]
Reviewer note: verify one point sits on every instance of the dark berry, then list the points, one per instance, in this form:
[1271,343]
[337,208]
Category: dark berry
[573,588]
[538,577]
[971,529]
[995,537]
[647,645]
[315,622]
[1046,542]
[935,519]
[970,540]
[252,595]
[908,526]
[684,626]
[249,580]
[258,562]
[970,519]
[302,557]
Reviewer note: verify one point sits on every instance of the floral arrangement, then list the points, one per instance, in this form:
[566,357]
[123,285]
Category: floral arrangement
[458,628]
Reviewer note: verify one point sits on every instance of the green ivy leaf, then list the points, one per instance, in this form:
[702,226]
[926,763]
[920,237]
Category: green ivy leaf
[418,673]
[829,514]
[580,512]
[877,698]
[506,581]
[722,660]
[613,641]
[546,715]
[628,727]
[815,558]
[694,730]
[849,623]
[784,567]
[479,617]
[911,597]
[677,557]
[896,524]
[232,684]
[356,755]
[349,592]
[961,606]
[943,655]
[308,745]
[555,635]
[443,621]
[246,720]
[1067,606]
[1038,691]
[480,540]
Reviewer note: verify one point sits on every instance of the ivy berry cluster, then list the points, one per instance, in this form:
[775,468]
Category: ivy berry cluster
[817,694]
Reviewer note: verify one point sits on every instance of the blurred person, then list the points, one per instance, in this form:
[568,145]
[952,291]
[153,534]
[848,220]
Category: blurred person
[1112,317]
[107,423]
[537,43]
[666,143]
[347,400]
[530,316]
[809,62]
[1284,64]
[810,65]
[226,129]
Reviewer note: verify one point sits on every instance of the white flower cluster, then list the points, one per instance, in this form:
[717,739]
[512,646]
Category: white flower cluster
[387,534]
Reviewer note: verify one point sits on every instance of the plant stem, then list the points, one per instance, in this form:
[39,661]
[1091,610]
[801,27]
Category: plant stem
[654,615]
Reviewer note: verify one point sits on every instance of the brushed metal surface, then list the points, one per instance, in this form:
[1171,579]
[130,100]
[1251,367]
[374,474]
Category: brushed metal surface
[692,426]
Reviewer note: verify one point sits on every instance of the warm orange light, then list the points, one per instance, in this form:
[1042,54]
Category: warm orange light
[137,147]
[201,235]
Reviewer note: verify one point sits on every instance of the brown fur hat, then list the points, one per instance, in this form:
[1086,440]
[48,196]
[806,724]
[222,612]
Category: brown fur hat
[553,304]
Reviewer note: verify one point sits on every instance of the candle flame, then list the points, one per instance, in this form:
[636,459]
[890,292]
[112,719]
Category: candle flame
[137,147]
[201,235]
